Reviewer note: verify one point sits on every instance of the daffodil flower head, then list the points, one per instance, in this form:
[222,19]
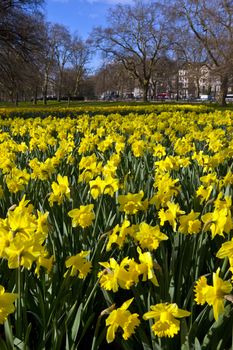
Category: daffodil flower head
[6,304]
[165,319]
[217,222]
[79,264]
[212,295]
[170,214]
[108,277]
[121,318]
[17,179]
[82,216]
[149,237]
[60,189]
[166,189]
[23,235]
[46,263]
[146,267]
[132,203]
[138,148]
[97,187]
[189,224]
[204,193]
[118,235]
[122,275]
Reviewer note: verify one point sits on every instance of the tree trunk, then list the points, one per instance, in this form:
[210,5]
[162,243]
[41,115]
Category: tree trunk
[77,83]
[45,89]
[17,99]
[59,91]
[59,88]
[223,90]
[45,96]
[177,87]
[198,87]
[145,92]
[35,97]
[11,96]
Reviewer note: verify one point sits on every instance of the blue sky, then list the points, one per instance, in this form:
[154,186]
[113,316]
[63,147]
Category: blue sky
[80,15]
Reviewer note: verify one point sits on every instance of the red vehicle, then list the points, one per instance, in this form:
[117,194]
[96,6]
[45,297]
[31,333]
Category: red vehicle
[163,96]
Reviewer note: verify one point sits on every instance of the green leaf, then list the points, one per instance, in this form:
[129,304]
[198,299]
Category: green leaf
[76,324]
[197,345]
[8,334]
[3,345]
[185,346]
[27,334]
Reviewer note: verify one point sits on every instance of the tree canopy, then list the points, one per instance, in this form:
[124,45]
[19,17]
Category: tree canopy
[136,36]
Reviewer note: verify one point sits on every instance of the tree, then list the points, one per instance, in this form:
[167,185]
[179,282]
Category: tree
[136,37]
[190,56]
[61,46]
[21,40]
[211,22]
[113,78]
[162,79]
[19,23]
[79,56]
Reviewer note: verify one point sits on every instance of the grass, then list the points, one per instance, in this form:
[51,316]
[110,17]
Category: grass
[64,104]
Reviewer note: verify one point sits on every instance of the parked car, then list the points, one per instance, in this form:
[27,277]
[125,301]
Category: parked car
[207,98]
[163,96]
[229,98]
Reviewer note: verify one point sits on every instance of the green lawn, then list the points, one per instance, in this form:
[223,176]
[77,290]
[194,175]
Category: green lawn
[64,104]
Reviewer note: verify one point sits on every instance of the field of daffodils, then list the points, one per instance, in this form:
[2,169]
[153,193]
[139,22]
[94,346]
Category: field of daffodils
[116,228]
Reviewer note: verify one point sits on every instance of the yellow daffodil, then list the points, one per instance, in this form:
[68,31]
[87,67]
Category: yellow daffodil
[17,179]
[217,222]
[189,224]
[146,267]
[165,322]
[6,304]
[121,318]
[96,187]
[79,264]
[204,193]
[226,250]
[166,189]
[132,203]
[212,295]
[22,235]
[138,148]
[149,236]
[115,275]
[83,216]
[46,263]
[159,151]
[118,235]
[170,214]
[60,189]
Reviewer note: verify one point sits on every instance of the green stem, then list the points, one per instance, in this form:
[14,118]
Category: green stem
[93,347]
[91,294]
[97,214]
[19,320]
[96,239]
